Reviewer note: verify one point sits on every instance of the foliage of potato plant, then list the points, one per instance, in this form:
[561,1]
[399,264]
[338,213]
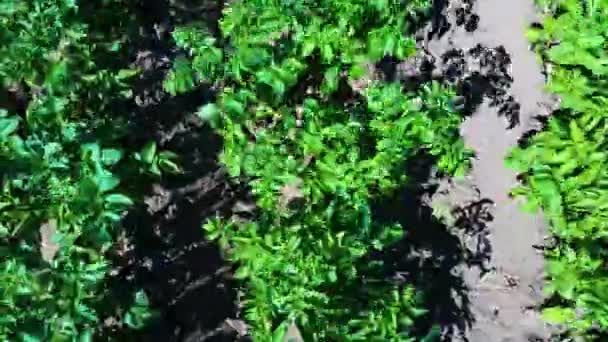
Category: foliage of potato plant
[316,153]
[61,198]
[565,167]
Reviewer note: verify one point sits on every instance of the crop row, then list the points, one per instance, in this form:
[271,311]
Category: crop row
[565,167]
[63,169]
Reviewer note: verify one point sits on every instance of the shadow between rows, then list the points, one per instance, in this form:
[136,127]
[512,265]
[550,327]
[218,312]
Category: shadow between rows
[185,276]
[432,254]
[165,252]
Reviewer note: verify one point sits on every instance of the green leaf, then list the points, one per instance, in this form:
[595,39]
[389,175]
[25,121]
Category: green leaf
[111,156]
[93,151]
[86,335]
[433,335]
[234,106]
[138,316]
[106,183]
[141,299]
[578,136]
[327,53]
[308,47]
[115,45]
[376,48]
[148,152]
[279,333]
[331,79]
[25,337]
[127,73]
[57,75]
[357,71]
[181,78]
[8,126]
[88,189]
[209,112]
[114,217]
[169,166]
[559,315]
[119,199]
[534,35]
[332,276]
[242,273]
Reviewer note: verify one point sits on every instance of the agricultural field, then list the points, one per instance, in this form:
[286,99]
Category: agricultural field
[303,170]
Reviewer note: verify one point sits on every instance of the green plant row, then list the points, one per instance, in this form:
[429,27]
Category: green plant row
[565,167]
[316,151]
[61,195]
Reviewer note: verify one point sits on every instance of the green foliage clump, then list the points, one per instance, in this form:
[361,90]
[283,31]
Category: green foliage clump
[565,167]
[316,153]
[61,198]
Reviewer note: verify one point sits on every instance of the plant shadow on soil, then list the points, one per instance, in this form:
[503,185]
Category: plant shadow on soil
[431,253]
[166,253]
[478,74]
[185,275]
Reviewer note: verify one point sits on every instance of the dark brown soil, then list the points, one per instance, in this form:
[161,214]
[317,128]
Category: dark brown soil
[188,282]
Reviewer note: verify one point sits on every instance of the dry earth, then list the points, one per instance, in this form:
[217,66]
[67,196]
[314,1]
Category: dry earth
[504,288]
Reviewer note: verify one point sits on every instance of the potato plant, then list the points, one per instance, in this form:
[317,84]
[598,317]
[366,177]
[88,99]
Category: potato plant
[61,197]
[316,151]
[565,167]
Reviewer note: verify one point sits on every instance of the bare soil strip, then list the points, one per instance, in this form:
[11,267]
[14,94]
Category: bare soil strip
[505,287]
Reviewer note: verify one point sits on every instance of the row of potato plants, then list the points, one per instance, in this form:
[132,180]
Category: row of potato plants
[565,167]
[316,150]
[61,161]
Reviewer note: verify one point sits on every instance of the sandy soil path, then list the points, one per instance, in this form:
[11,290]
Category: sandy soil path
[503,293]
